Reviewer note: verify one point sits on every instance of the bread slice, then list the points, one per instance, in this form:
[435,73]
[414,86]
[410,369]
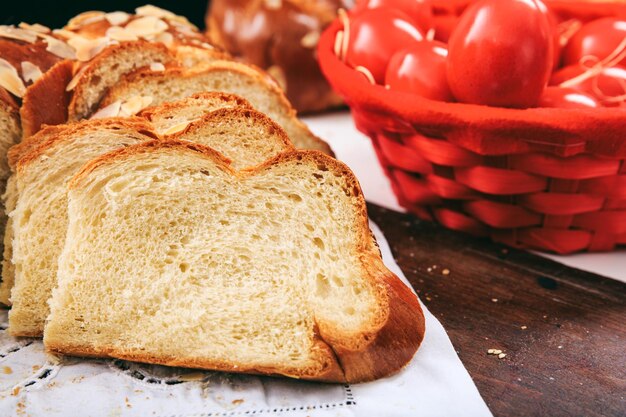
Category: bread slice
[245,136]
[40,219]
[10,201]
[225,76]
[172,257]
[10,133]
[107,68]
[173,117]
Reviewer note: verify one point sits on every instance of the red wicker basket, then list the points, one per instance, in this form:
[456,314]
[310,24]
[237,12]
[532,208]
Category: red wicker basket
[548,179]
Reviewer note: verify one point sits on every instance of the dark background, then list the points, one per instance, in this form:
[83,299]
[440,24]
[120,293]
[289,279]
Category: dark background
[56,13]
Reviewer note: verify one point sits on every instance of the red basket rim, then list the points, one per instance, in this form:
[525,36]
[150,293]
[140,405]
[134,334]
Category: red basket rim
[554,126]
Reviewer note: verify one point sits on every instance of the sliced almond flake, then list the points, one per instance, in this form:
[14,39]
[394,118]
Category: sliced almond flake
[206,45]
[273,4]
[147,26]
[134,105]
[183,22]
[310,40]
[186,30]
[10,80]
[112,110]
[35,27]
[119,33]
[88,48]
[176,128]
[59,48]
[117,18]
[64,33]
[150,10]
[74,81]
[30,72]
[85,18]
[12,32]
[157,67]
[277,75]
[165,38]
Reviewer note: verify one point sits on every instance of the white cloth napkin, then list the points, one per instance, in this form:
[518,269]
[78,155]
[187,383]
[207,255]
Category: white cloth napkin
[435,383]
[355,149]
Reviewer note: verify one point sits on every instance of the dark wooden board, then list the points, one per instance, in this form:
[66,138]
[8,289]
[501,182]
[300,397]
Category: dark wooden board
[570,360]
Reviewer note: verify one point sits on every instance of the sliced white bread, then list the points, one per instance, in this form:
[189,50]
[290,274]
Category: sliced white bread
[173,117]
[10,200]
[39,220]
[172,257]
[225,76]
[245,136]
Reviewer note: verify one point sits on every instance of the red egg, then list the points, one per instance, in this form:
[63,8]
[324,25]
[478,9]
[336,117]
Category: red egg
[598,38]
[420,69]
[608,87]
[501,53]
[567,98]
[420,11]
[377,34]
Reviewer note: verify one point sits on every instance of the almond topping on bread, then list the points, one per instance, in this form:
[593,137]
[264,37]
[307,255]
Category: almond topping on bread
[165,38]
[121,34]
[85,18]
[177,128]
[147,26]
[35,27]
[124,108]
[134,105]
[10,80]
[18,34]
[117,18]
[74,81]
[30,71]
[150,10]
[88,48]
[112,110]
[59,48]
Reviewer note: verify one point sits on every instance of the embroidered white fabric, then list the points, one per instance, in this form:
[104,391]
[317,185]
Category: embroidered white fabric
[435,383]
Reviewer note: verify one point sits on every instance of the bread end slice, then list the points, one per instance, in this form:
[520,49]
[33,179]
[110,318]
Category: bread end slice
[271,269]
[46,163]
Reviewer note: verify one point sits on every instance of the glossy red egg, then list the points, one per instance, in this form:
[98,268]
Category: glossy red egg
[501,53]
[420,69]
[420,11]
[598,38]
[377,34]
[567,98]
[608,87]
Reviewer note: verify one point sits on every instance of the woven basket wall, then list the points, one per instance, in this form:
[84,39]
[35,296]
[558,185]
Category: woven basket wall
[548,179]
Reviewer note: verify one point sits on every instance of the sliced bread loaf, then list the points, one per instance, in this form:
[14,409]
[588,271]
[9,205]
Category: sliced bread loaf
[245,136]
[225,76]
[40,219]
[174,258]
[10,200]
[173,117]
